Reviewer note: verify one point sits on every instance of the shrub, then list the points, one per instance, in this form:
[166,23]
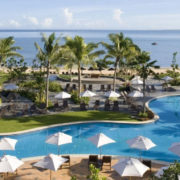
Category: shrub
[143,114]
[76,99]
[28,94]
[55,87]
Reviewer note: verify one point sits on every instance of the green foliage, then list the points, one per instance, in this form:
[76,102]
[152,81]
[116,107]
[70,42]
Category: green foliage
[0,101]
[76,99]
[28,94]
[55,87]
[171,173]
[113,99]
[94,173]
[66,77]
[104,63]
[17,69]
[3,77]
[73,178]
[143,114]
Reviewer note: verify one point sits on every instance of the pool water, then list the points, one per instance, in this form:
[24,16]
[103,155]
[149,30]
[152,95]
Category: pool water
[163,133]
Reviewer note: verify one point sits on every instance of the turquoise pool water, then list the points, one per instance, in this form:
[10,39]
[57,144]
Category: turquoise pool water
[163,132]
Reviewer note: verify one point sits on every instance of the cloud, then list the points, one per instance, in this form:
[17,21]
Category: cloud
[14,23]
[68,16]
[32,19]
[117,15]
[47,22]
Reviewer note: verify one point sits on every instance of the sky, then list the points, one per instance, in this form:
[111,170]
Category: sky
[90,14]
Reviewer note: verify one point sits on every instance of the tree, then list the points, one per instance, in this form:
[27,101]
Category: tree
[80,54]
[144,67]
[118,50]
[8,50]
[103,63]
[49,55]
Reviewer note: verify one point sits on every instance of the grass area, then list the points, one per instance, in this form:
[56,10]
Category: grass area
[24,123]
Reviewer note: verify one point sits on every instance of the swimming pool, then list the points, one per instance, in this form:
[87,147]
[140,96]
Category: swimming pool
[163,132]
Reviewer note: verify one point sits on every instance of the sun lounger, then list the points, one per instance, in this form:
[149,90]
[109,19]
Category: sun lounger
[107,106]
[96,105]
[106,161]
[93,159]
[67,163]
[148,163]
[116,106]
[83,106]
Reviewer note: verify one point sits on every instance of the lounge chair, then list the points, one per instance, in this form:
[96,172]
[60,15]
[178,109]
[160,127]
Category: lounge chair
[106,161]
[96,105]
[83,106]
[93,159]
[67,163]
[65,105]
[107,106]
[116,106]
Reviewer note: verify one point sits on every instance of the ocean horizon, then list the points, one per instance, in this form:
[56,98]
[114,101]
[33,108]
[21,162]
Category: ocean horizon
[168,41]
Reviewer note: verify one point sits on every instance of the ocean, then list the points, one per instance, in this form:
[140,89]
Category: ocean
[168,41]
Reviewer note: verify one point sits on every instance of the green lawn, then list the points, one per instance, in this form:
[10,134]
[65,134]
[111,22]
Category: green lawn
[23,123]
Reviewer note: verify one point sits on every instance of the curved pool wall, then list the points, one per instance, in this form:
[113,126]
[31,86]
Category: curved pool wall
[163,132]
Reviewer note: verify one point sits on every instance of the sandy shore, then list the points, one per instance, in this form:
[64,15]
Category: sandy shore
[78,168]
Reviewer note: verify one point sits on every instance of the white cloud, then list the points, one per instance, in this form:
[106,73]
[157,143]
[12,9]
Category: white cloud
[14,23]
[32,19]
[47,22]
[117,15]
[68,16]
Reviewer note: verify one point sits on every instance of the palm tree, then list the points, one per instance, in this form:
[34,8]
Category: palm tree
[80,54]
[118,50]
[144,67]
[7,49]
[50,54]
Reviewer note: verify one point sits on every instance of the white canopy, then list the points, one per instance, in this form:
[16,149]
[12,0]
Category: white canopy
[130,167]
[59,139]
[167,78]
[161,171]
[135,94]
[87,93]
[175,148]
[112,94]
[52,162]
[100,140]
[10,87]
[62,95]
[136,80]
[7,144]
[141,142]
[9,164]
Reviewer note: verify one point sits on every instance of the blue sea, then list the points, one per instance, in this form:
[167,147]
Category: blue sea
[168,41]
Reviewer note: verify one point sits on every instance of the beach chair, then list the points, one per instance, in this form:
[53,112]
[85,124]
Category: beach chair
[106,161]
[116,106]
[96,105]
[67,163]
[93,159]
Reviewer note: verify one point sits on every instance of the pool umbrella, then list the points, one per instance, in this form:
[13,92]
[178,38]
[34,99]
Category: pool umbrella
[136,80]
[10,87]
[51,162]
[161,171]
[135,94]
[62,95]
[111,94]
[59,139]
[167,78]
[141,142]
[175,148]
[130,167]
[87,93]
[9,164]
[7,144]
[100,140]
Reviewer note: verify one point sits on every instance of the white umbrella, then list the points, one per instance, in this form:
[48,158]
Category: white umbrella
[59,139]
[9,164]
[175,148]
[10,87]
[167,78]
[112,94]
[62,95]
[51,162]
[130,167]
[135,94]
[136,80]
[87,93]
[7,144]
[141,142]
[161,171]
[100,140]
